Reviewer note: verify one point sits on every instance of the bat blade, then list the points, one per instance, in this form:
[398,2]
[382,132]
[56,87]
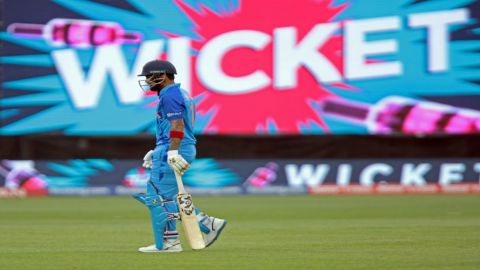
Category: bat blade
[189,221]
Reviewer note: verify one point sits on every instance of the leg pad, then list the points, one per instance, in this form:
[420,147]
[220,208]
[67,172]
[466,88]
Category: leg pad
[158,215]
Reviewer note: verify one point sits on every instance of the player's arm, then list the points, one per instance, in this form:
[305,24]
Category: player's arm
[175,160]
[176,133]
[174,108]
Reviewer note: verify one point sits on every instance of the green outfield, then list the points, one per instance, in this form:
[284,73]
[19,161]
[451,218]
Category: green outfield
[292,232]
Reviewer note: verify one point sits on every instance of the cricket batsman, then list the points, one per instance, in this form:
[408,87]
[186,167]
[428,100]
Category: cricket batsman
[175,150]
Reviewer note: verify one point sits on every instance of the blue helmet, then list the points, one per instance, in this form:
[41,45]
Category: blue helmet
[158,67]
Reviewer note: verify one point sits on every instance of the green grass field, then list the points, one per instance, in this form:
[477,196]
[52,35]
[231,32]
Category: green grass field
[293,232]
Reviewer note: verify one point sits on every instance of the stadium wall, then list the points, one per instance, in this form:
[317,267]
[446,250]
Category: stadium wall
[239,165]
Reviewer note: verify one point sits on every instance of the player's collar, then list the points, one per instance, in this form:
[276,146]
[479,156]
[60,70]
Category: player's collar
[162,92]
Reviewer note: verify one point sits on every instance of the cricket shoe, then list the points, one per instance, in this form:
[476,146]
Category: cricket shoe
[168,246]
[215,225]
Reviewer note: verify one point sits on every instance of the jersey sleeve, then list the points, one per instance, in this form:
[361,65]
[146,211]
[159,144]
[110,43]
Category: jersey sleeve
[173,105]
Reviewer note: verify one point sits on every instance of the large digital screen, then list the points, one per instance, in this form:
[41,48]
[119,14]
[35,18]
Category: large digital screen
[252,67]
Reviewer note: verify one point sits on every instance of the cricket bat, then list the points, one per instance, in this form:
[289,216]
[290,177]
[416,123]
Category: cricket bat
[187,214]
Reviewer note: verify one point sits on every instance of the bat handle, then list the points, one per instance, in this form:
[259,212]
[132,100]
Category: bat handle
[178,177]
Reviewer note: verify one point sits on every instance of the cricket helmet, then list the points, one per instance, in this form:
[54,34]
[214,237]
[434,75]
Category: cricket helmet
[158,67]
[155,72]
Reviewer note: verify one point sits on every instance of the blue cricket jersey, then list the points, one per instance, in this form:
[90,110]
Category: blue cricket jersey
[175,103]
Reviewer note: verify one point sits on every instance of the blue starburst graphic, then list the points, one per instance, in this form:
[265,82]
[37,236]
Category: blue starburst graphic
[76,173]
[109,116]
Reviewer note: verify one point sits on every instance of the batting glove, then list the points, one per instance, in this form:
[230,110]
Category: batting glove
[177,162]
[147,160]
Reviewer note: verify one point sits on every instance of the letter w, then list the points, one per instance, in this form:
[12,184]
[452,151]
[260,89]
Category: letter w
[85,91]
[305,175]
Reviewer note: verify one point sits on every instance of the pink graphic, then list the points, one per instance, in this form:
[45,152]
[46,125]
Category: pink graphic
[22,175]
[266,108]
[263,176]
[403,115]
[76,33]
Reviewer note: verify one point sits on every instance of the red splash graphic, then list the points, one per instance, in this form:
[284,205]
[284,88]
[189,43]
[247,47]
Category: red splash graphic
[254,112]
